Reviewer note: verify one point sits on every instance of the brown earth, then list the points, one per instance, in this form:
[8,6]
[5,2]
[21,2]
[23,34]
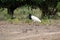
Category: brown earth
[25,31]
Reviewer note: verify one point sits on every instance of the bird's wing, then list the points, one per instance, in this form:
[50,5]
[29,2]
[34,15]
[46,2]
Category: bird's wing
[35,18]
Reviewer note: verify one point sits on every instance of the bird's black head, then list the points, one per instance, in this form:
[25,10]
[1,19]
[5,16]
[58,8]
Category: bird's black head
[29,16]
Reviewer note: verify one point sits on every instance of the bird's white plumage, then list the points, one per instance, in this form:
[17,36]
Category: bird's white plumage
[34,18]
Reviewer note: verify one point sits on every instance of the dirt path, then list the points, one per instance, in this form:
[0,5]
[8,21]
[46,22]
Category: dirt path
[23,31]
[37,35]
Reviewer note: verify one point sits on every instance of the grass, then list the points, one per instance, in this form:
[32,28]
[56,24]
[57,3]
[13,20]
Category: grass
[22,15]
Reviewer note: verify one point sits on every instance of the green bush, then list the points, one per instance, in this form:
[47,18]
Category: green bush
[58,6]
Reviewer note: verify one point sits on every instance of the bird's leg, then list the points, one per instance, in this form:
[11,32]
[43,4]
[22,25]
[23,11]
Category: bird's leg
[33,22]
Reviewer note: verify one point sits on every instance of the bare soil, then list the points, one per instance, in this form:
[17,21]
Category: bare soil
[30,31]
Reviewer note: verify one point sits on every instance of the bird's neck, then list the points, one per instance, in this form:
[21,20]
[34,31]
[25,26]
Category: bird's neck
[30,17]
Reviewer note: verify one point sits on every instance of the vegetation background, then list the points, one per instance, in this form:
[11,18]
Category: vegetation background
[22,10]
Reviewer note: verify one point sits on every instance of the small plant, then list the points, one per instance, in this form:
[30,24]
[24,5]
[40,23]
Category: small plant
[27,21]
[46,21]
[13,21]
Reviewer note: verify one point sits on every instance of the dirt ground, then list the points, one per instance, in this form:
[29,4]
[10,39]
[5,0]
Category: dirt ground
[24,31]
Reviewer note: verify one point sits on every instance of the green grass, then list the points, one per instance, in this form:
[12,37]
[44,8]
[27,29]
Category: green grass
[22,15]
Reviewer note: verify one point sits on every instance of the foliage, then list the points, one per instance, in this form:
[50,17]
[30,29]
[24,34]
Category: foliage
[48,7]
[58,6]
[22,15]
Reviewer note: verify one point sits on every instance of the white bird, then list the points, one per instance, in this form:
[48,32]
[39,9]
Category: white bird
[34,18]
